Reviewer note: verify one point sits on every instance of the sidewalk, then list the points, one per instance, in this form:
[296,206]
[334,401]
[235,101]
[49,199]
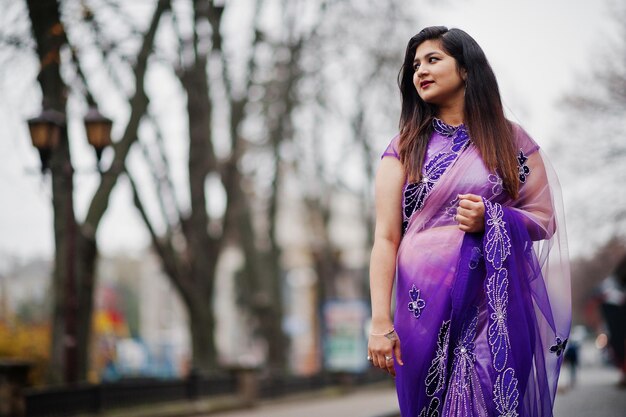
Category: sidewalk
[595,394]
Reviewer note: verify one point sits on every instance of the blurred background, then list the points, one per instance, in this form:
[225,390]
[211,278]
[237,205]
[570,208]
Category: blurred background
[186,187]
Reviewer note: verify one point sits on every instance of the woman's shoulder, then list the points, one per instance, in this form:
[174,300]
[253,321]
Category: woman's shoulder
[523,141]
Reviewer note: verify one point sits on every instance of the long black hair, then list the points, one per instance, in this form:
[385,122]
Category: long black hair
[484,117]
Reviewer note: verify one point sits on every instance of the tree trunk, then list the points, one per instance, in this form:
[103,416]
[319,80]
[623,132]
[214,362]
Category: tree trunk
[202,326]
[87,252]
[202,249]
[63,349]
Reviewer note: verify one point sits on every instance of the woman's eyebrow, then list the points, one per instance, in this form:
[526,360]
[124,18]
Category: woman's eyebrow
[428,55]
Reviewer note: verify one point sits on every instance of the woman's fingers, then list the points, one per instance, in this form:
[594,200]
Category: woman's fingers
[470,214]
[465,213]
[462,220]
[377,356]
[389,365]
[375,361]
[397,353]
[472,197]
[382,353]
[379,360]
[466,204]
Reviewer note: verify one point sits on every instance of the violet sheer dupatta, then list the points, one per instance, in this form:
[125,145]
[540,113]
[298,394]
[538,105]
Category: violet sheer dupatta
[502,326]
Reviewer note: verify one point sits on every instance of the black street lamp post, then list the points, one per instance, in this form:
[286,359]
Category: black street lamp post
[47,130]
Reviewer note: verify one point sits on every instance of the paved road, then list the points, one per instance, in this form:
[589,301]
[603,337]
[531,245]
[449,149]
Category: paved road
[376,401]
[595,395]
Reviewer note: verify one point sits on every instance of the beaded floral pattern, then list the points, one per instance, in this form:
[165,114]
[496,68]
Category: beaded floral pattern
[497,249]
[496,184]
[559,346]
[417,304]
[452,206]
[498,243]
[464,386]
[523,169]
[506,394]
[432,410]
[498,331]
[415,193]
[436,378]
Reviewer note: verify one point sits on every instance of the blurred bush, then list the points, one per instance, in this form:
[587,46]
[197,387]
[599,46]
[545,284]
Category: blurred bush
[29,342]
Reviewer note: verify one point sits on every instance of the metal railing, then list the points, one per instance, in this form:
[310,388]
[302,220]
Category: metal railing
[98,398]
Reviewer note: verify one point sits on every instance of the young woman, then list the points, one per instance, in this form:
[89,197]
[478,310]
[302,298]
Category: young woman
[468,223]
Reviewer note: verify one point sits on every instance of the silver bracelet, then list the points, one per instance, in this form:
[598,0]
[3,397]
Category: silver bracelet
[390,334]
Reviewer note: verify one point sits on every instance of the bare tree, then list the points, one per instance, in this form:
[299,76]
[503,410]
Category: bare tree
[354,91]
[75,243]
[591,146]
[267,89]
[192,241]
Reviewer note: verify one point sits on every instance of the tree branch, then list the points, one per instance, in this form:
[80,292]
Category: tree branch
[163,247]
[139,104]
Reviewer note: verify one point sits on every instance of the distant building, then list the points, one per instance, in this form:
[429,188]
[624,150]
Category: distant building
[24,290]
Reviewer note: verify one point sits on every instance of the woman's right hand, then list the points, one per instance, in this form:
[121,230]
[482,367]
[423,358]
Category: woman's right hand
[383,349]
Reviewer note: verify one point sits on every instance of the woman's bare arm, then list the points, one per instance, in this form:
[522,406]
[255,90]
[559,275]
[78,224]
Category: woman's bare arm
[390,180]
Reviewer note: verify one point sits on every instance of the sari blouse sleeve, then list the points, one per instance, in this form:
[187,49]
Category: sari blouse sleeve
[535,200]
[392,148]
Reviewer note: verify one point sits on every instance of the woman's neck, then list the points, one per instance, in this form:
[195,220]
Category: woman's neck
[452,116]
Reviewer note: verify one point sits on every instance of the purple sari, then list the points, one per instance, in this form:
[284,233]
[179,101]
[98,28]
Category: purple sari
[483,318]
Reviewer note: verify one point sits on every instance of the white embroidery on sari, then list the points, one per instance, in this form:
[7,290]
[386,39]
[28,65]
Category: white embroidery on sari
[464,386]
[505,394]
[496,181]
[414,194]
[452,206]
[497,241]
[497,249]
[498,332]
[436,377]
[432,409]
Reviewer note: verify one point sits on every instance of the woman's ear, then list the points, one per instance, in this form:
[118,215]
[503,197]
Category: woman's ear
[463,74]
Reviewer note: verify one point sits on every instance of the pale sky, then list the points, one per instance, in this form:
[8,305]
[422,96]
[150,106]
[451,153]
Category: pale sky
[536,47]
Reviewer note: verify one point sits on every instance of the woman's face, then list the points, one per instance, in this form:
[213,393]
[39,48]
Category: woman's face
[436,77]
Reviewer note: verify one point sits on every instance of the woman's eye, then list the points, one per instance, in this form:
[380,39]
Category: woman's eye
[433,59]
[416,67]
